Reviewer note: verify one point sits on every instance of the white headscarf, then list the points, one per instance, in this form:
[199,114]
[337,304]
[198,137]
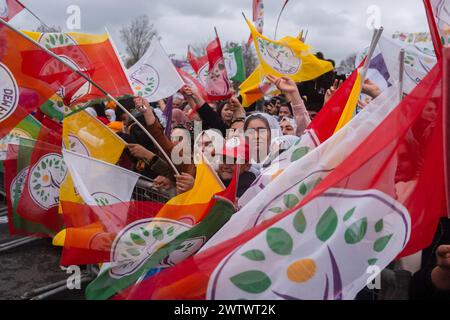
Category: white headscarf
[111,115]
[275,132]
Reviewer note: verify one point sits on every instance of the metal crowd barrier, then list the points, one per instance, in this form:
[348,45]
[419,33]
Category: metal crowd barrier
[143,191]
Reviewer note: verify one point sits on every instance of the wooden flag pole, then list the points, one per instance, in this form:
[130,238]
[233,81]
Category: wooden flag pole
[446,119]
[401,74]
[99,88]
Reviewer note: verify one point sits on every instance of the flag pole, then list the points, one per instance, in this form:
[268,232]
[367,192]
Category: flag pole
[375,38]
[306,35]
[279,17]
[433,29]
[109,96]
[446,119]
[401,74]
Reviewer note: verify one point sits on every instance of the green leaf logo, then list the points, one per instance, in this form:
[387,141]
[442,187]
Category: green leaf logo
[279,241]
[299,153]
[300,222]
[252,281]
[290,200]
[356,232]
[255,255]
[158,233]
[327,225]
[382,243]
[379,226]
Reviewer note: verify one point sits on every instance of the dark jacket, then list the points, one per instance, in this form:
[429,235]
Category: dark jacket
[212,120]
[422,287]
[245,181]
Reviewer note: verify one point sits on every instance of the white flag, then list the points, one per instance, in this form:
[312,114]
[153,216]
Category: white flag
[384,68]
[154,76]
[303,175]
[101,184]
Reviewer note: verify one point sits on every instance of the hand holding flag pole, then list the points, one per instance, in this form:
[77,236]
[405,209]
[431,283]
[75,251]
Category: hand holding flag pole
[81,74]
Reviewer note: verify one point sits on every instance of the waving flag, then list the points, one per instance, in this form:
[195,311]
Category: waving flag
[217,85]
[21,91]
[256,87]
[93,55]
[326,121]
[88,136]
[288,57]
[39,200]
[384,66]
[438,12]
[154,76]
[289,179]
[175,242]
[378,203]
[234,62]
[10,8]
[200,66]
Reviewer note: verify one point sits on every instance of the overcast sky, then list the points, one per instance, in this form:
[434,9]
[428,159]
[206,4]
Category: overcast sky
[337,28]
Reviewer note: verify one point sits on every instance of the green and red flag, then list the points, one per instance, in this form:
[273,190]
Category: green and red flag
[382,201]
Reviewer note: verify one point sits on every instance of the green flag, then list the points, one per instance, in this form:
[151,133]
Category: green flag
[113,280]
[234,62]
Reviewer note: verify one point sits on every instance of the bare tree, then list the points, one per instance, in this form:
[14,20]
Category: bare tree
[46,29]
[347,65]
[137,37]
[250,58]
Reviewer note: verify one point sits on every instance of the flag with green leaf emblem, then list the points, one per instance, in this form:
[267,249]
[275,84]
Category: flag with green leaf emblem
[154,76]
[383,200]
[234,62]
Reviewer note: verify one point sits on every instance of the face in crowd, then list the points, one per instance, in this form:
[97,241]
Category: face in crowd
[287,127]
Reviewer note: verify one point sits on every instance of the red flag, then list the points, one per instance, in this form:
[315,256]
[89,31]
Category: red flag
[39,200]
[96,59]
[20,92]
[218,85]
[192,82]
[10,8]
[325,122]
[396,175]
[200,66]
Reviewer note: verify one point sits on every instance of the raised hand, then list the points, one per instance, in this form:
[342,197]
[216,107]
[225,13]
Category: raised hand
[371,89]
[147,111]
[330,92]
[285,84]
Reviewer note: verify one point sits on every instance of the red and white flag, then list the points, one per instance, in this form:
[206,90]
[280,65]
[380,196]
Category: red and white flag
[10,8]
[217,85]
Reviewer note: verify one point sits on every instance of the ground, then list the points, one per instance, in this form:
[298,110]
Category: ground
[29,267]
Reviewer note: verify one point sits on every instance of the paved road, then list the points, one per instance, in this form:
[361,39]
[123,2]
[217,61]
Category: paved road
[29,267]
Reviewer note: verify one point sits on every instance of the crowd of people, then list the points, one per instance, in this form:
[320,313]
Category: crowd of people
[229,137]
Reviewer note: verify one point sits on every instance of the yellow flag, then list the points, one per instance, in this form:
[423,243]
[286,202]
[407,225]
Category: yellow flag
[193,205]
[256,87]
[84,134]
[288,57]
[350,108]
